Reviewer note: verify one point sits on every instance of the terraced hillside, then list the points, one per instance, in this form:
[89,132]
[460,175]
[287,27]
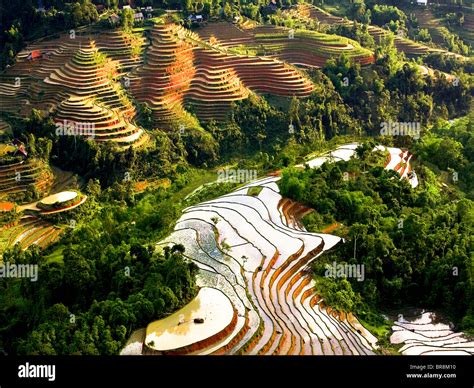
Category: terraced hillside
[177,72]
[21,85]
[468,27]
[17,176]
[251,246]
[428,20]
[79,85]
[425,335]
[300,47]
[405,45]
[23,179]
[183,70]
[253,249]
[226,34]
[77,79]
[29,231]
[311,49]
[33,226]
[94,96]
[95,121]
[171,74]
[5,128]
[126,48]
[433,18]
[397,160]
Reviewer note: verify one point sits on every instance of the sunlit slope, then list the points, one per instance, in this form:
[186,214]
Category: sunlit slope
[253,248]
[298,47]
[181,70]
[405,45]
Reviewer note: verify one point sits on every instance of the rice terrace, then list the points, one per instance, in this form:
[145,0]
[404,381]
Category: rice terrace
[257,177]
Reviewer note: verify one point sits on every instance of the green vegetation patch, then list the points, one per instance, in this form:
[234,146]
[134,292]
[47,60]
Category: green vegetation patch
[412,244]
[254,190]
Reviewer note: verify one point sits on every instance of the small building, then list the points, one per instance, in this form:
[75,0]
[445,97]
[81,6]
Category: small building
[6,206]
[21,150]
[34,55]
[422,2]
[196,18]
[147,11]
[114,19]
[138,17]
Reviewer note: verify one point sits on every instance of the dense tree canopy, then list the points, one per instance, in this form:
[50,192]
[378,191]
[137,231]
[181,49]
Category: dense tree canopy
[416,245]
[107,284]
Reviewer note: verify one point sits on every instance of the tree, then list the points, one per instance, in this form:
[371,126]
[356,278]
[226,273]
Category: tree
[188,6]
[78,14]
[127,18]
[338,293]
[146,116]
[227,10]
[358,11]
[293,112]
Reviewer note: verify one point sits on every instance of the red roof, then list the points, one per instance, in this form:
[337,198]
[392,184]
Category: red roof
[35,54]
[22,150]
[6,206]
